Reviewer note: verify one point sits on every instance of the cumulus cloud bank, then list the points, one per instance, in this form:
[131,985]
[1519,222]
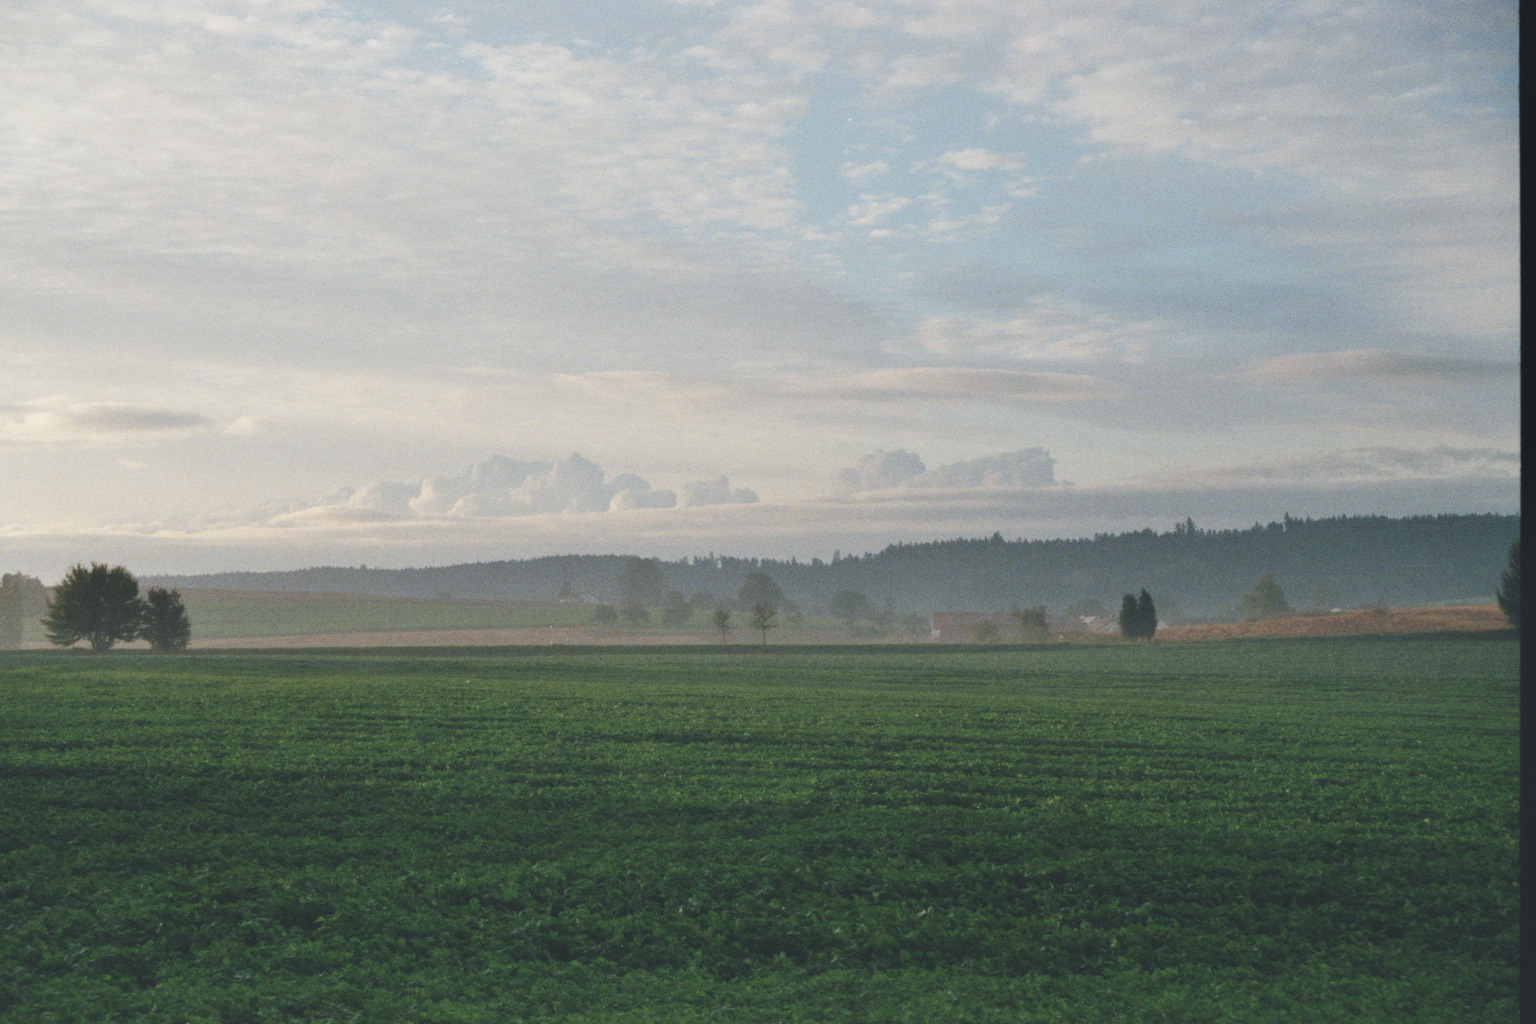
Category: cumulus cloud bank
[882,470]
[717,492]
[500,487]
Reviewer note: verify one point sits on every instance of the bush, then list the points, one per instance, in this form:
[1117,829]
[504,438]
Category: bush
[1032,626]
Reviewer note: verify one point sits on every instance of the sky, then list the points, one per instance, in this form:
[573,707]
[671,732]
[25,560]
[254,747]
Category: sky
[386,282]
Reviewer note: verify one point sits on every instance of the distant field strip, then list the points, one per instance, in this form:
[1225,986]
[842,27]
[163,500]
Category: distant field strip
[225,614]
[1281,831]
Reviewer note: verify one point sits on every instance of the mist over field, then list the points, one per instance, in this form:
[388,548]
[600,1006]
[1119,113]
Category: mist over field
[1195,572]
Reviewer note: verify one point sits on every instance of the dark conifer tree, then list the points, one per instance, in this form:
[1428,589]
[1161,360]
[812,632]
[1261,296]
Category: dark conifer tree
[1128,622]
[1146,616]
[165,624]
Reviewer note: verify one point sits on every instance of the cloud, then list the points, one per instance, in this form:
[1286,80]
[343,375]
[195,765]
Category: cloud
[1045,327]
[716,492]
[56,421]
[954,383]
[1367,464]
[882,471]
[1372,364]
[500,487]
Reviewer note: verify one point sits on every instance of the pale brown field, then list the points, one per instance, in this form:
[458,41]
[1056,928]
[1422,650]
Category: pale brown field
[1346,623]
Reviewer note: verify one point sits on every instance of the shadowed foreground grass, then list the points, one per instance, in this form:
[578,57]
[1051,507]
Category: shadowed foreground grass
[1267,831]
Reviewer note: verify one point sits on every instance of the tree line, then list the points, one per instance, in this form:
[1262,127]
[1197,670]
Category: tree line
[98,604]
[1197,573]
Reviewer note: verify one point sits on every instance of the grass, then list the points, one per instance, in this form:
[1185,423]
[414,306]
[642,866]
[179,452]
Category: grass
[1296,830]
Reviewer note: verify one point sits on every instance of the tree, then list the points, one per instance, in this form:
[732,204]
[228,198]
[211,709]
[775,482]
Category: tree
[850,605]
[1032,625]
[758,588]
[985,632]
[634,613]
[1266,601]
[1509,586]
[99,605]
[678,611]
[605,613]
[1130,623]
[640,582]
[721,620]
[1146,616]
[11,614]
[165,624]
[762,618]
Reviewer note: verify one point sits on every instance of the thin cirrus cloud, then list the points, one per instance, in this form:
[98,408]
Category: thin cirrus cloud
[957,384]
[1372,364]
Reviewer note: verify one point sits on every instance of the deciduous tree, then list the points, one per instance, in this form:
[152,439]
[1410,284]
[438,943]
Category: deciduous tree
[721,620]
[99,605]
[1033,627]
[1266,601]
[850,605]
[759,588]
[763,615]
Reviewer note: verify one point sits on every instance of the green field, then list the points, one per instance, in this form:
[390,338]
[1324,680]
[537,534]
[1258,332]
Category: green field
[1310,830]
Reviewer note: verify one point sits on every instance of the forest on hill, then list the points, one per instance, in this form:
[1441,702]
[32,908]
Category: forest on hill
[1345,561]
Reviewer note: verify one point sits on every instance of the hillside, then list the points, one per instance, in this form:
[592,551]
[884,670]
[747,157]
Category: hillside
[1339,562]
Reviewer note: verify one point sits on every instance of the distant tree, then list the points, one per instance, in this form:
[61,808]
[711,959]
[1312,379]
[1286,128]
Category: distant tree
[918,626]
[721,620]
[1130,623]
[605,614]
[985,632]
[99,605]
[12,611]
[1266,601]
[1146,616]
[762,618]
[1509,586]
[678,611]
[165,624]
[759,588]
[1032,627]
[640,582]
[634,613]
[850,606]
